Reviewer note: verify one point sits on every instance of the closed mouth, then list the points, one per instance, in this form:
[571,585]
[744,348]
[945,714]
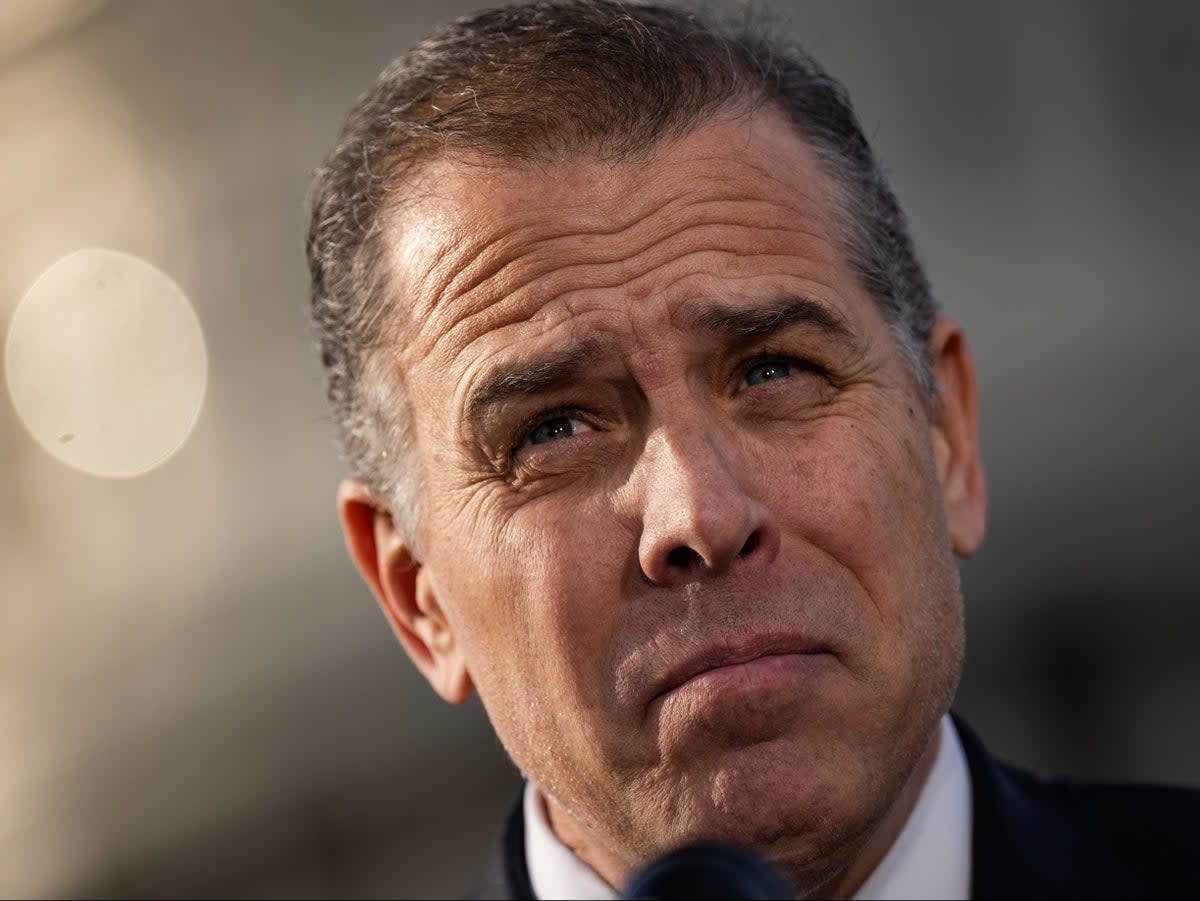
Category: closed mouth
[733,654]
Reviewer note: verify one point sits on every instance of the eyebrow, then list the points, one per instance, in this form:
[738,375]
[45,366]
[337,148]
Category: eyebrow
[739,323]
[533,377]
[744,324]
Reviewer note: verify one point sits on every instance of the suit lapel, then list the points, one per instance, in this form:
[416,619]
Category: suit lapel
[1027,842]
[506,876]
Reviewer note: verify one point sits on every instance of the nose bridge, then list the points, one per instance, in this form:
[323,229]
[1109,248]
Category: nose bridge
[698,513]
[691,464]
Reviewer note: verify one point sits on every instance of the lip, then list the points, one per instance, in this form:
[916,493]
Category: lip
[727,654]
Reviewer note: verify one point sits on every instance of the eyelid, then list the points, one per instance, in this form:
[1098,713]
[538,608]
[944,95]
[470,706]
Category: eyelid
[523,432]
[768,355]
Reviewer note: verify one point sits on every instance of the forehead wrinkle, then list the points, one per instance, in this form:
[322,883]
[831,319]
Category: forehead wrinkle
[541,289]
[488,256]
[587,244]
[477,288]
[490,192]
[465,276]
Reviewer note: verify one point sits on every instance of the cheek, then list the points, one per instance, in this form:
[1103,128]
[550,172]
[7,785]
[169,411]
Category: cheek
[540,635]
[868,498]
[869,501]
[572,591]
[539,602]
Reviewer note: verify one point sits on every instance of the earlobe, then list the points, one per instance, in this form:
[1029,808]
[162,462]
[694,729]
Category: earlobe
[955,436]
[404,590]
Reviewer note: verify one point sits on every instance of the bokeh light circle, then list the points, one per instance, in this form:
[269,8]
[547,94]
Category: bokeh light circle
[106,364]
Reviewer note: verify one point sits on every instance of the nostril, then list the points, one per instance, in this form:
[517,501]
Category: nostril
[750,545]
[683,557]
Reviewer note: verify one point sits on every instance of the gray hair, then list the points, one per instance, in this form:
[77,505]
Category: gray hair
[539,81]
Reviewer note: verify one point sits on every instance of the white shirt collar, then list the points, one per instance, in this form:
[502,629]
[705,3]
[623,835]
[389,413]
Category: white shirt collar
[931,857]
[554,870]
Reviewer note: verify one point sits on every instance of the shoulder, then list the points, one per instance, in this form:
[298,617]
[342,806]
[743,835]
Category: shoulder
[1060,838]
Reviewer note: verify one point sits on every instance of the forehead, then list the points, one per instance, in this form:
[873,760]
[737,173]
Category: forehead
[491,258]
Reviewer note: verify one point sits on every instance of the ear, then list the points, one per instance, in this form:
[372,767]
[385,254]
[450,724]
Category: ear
[955,435]
[404,591]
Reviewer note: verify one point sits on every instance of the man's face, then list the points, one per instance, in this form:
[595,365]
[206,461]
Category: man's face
[684,521]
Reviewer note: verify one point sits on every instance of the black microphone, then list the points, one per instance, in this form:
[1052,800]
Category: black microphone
[709,870]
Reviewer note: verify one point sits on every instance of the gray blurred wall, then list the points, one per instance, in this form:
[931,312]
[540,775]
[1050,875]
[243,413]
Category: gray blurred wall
[197,695]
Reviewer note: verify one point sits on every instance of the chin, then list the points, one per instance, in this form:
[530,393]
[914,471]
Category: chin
[810,813]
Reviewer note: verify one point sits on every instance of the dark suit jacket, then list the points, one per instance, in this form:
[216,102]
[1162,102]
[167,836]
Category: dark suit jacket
[1032,839]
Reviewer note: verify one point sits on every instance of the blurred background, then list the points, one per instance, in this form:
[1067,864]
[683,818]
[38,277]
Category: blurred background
[197,695]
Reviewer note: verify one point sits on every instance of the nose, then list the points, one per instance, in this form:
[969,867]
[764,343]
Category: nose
[698,516]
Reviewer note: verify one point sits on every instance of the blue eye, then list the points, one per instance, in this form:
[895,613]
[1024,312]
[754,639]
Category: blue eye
[767,371]
[556,429]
